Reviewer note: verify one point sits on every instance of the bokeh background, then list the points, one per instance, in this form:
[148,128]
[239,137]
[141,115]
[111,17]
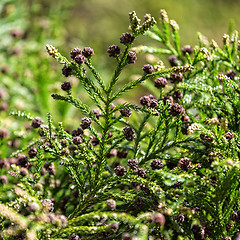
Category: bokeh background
[100,22]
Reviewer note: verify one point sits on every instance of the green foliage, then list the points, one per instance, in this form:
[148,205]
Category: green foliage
[167,168]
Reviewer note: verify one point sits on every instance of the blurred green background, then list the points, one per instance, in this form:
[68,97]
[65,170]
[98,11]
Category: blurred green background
[100,22]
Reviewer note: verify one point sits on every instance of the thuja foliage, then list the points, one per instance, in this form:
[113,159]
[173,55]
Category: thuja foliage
[164,167]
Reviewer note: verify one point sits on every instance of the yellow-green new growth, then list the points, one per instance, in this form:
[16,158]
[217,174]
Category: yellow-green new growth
[164,16]
[174,25]
[135,25]
[13,216]
[52,51]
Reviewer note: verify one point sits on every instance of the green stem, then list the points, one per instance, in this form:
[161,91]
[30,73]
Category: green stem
[96,75]
[121,64]
[138,134]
